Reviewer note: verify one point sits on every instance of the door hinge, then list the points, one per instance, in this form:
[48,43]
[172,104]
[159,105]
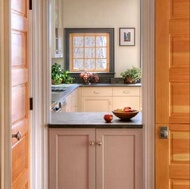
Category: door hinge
[31,103]
[30,4]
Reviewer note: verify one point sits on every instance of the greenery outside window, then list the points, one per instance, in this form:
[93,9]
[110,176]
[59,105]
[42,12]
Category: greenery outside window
[90,49]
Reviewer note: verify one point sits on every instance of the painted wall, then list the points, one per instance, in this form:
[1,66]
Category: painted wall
[107,14]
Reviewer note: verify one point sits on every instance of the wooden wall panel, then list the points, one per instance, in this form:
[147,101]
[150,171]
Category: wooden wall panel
[18,103]
[180,184]
[179,9]
[180,146]
[19,6]
[179,171]
[179,51]
[19,76]
[180,102]
[179,75]
[20,157]
[18,49]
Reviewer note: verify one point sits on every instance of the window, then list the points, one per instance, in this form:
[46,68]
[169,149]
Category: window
[89,49]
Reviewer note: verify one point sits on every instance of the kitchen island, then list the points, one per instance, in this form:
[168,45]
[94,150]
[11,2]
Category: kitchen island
[86,152]
[91,120]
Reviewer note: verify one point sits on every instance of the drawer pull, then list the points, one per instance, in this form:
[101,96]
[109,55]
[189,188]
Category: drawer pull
[126,92]
[96,92]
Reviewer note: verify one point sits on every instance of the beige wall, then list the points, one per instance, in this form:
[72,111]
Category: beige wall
[107,14]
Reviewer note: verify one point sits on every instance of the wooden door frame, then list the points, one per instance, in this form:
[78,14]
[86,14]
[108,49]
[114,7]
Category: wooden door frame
[41,93]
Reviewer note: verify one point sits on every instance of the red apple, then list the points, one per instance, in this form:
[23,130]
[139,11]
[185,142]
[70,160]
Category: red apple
[108,117]
[127,109]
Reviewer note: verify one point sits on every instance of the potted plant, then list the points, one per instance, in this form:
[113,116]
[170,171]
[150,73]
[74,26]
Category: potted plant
[59,76]
[132,75]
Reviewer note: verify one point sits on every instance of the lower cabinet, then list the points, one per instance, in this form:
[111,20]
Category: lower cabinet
[95,158]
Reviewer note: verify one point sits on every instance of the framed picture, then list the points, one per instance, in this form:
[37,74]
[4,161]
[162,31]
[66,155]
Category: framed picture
[127,36]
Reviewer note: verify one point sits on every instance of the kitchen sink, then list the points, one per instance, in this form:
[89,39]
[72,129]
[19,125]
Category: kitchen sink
[57,92]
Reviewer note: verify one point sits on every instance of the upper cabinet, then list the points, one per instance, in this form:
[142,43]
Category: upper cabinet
[56,28]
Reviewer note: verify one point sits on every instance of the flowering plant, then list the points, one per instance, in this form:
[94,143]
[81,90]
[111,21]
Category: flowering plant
[89,77]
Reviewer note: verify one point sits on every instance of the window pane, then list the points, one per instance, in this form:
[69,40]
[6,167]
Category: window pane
[78,41]
[90,53]
[78,53]
[89,41]
[101,52]
[78,64]
[101,64]
[101,41]
[90,64]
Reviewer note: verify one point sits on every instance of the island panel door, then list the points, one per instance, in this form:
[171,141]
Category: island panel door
[71,158]
[172,94]
[20,94]
[119,159]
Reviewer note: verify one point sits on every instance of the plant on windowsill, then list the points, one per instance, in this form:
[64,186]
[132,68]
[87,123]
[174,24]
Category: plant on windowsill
[59,76]
[132,75]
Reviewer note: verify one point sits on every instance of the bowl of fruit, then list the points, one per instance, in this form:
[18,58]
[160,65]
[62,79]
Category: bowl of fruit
[125,113]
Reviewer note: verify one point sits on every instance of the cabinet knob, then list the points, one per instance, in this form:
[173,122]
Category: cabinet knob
[18,135]
[91,143]
[99,143]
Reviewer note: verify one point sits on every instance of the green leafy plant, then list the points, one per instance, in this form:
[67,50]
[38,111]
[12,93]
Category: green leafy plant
[58,75]
[131,75]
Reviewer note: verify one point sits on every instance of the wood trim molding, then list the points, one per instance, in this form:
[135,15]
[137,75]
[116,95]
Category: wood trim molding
[5,106]
[147,58]
[40,91]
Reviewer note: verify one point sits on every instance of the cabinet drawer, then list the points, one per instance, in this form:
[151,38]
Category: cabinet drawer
[126,91]
[97,91]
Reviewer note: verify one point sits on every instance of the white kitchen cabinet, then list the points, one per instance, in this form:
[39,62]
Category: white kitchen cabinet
[97,99]
[126,96]
[95,158]
[70,103]
[56,16]
[71,159]
[105,99]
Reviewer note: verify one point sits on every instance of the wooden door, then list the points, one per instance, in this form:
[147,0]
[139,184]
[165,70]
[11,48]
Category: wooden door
[71,158]
[20,94]
[119,159]
[172,94]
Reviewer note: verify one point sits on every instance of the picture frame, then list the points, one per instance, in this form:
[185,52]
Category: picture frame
[126,36]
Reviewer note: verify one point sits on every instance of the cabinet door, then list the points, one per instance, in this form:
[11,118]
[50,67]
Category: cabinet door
[119,159]
[71,159]
[96,104]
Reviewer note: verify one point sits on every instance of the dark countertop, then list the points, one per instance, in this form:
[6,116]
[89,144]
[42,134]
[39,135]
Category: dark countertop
[91,120]
[60,96]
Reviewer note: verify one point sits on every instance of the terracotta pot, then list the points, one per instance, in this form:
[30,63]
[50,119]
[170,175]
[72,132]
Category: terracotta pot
[129,80]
